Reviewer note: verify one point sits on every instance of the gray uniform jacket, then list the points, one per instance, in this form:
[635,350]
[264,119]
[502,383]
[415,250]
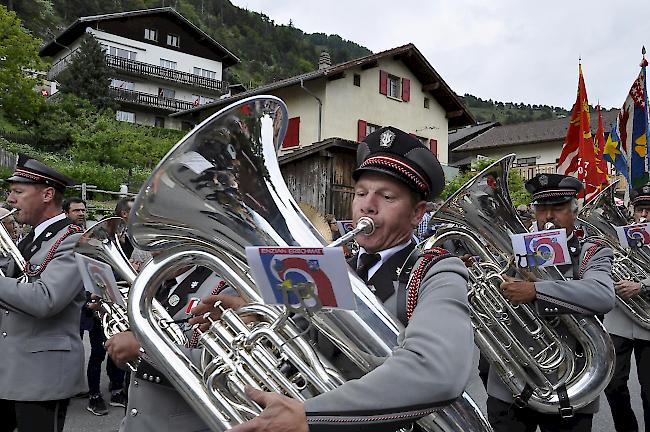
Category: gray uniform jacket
[430,366]
[158,407]
[591,293]
[620,324]
[41,354]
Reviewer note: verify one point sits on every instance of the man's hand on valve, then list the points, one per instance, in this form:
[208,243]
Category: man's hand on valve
[518,291]
[211,307]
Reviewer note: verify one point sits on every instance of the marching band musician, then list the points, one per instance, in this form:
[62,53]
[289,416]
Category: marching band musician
[628,336]
[431,365]
[153,403]
[41,354]
[588,290]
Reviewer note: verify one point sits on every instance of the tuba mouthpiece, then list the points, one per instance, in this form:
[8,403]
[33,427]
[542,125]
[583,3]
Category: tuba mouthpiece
[366,225]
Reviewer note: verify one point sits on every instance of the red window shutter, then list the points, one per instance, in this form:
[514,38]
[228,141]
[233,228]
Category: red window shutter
[406,89]
[433,145]
[292,138]
[361,130]
[383,82]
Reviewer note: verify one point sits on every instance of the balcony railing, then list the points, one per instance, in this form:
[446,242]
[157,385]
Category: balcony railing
[149,100]
[139,68]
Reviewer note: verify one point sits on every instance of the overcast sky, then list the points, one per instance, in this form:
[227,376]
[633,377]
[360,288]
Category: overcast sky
[507,50]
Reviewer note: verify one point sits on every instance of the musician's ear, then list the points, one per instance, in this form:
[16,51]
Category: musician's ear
[418,212]
[48,194]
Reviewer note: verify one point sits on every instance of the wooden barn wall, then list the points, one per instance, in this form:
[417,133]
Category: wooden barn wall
[308,180]
[323,181]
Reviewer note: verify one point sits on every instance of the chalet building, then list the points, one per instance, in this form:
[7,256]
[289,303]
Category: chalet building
[334,107]
[537,144]
[161,62]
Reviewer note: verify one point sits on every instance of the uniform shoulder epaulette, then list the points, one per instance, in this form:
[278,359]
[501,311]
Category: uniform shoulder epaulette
[428,258]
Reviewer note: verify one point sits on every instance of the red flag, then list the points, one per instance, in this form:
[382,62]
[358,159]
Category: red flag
[599,147]
[577,157]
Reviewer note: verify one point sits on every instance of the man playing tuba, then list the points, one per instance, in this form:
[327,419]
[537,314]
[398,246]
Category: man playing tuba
[433,361]
[588,290]
[628,336]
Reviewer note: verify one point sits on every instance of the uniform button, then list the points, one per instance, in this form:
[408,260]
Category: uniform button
[157,380]
[6,312]
[4,334]
[134,412]
[546,310]
[145,376]
[135,383]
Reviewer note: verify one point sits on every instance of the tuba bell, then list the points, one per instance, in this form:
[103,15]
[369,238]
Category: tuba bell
[600,216]
[217,191]
[525,348]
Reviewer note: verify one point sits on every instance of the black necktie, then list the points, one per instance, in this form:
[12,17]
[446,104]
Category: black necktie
[366,261]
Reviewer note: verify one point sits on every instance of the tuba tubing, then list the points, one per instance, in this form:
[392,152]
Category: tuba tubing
[524,348]
[600,216]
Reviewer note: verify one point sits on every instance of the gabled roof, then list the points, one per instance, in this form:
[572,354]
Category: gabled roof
[340,143]
[457,112]
[78,28]
[531,132]
[461,135]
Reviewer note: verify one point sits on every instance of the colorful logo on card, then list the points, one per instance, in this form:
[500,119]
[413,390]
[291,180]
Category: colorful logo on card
[543,250]
[280,268]
[637,234]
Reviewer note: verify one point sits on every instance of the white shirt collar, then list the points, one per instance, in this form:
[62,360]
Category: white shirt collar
[384,256]
[46,223]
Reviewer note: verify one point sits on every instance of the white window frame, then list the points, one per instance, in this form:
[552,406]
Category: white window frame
[205,73]
[121,52]
[151,34]
[125,116]
[122,85]
[171,38]
[394,87]
[202,100]
[164,92]
[370,128]
[168,64]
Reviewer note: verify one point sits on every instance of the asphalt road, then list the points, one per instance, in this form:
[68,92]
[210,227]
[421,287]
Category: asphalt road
[80,420]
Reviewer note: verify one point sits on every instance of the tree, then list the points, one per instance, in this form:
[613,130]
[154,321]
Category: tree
[518,192]
[19,63]
[88,76]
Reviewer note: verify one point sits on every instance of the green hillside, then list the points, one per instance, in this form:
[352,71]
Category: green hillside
[509,112]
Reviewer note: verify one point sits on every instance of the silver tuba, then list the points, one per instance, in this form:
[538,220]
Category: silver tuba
[217,191]
[600,216]
[101,242]
[525,349]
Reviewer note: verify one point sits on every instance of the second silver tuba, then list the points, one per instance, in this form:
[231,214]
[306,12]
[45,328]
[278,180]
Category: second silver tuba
[217,191]
[600,216]
[525,348]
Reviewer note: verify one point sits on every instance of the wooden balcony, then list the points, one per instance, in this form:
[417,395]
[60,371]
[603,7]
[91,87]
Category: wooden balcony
[150,100]
[136,68]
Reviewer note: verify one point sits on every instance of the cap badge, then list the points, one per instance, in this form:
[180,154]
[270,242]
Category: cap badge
[646,189]
[174,299]
[194,284]
[386,138]
[543,180]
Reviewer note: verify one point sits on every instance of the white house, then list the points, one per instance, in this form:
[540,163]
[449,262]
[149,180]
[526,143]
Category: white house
[334,107]
[162,63]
